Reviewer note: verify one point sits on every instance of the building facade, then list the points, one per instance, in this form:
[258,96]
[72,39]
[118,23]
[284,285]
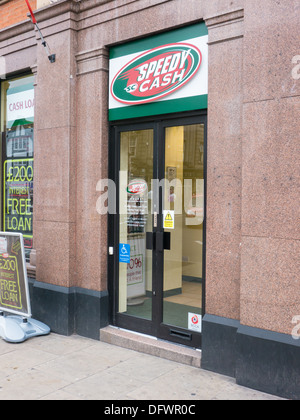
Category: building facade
[153,170]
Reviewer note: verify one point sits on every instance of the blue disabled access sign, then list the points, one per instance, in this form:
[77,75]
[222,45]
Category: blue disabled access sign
[124,253]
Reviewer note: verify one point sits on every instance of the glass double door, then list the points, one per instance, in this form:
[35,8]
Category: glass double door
[159,233]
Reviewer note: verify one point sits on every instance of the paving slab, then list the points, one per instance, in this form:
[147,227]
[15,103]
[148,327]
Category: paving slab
[56,367]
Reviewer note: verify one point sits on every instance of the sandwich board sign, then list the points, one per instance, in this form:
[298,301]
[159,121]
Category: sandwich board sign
[16,324]
[14,294]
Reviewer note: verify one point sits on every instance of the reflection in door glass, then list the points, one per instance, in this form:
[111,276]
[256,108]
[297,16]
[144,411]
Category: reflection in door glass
[135,273]
[184,204]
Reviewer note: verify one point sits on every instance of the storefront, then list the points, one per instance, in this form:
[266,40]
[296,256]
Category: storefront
[164,200]
[158,101]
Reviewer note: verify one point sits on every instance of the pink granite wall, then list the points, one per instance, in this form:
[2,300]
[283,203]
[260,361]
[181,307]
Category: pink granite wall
[92,166]
[270,290]
[55,155]
[224,163]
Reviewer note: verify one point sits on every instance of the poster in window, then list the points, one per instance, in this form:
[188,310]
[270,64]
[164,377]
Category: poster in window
[18,198]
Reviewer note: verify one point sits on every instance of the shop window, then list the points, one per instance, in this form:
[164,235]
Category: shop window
[17,155]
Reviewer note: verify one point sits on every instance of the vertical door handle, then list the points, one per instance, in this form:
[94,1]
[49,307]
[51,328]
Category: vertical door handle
[150,240]
[163,241]
[167,241]
[158,241]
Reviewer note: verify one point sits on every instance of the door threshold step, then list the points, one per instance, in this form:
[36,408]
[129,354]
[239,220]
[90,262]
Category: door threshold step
[149,345]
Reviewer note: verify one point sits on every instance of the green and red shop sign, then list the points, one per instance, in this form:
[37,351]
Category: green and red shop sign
[156,74]
[169,77]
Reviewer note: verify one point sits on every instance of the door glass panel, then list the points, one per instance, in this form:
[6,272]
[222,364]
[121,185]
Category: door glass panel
[135,266]
[183,220]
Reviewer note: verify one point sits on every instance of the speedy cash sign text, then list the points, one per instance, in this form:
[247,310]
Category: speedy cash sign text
[156,73]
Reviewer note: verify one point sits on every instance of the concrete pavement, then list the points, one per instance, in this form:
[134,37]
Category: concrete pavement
[56,367]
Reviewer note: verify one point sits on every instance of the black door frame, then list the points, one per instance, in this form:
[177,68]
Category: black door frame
[154,327]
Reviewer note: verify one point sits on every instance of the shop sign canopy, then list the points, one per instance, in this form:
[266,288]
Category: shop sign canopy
[159,75]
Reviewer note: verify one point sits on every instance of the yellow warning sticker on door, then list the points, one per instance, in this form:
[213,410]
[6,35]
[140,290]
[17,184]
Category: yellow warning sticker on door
[169,219]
